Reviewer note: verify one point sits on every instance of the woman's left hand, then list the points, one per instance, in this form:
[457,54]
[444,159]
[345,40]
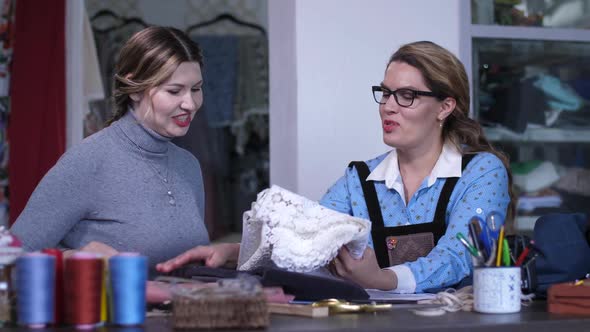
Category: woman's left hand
[364,271]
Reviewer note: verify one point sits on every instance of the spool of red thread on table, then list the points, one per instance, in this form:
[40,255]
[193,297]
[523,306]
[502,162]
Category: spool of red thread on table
[82,291]
[59,283]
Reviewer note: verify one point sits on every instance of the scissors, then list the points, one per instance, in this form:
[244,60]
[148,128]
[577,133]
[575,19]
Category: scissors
[494,221]
[483,236]
[338,306]
[490,233]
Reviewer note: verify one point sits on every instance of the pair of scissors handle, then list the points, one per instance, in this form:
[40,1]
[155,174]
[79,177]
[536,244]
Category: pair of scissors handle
[339,306]
[483,236]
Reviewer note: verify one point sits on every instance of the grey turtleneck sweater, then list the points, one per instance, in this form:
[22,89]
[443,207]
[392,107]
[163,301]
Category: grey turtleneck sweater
[110,188]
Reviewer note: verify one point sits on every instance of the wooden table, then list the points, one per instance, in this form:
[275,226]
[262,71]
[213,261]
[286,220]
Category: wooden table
[533,318]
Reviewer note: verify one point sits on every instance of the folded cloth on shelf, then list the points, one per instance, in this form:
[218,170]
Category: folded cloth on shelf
[534,176]
[560,95]
[546,198]
[297,234]
[575,181]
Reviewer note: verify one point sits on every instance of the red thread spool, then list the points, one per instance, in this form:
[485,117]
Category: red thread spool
[82,291]
[59,284]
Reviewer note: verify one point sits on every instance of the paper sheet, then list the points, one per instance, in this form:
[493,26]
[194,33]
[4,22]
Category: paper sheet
[379,295]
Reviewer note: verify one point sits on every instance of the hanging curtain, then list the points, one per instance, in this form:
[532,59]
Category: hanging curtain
[36,129]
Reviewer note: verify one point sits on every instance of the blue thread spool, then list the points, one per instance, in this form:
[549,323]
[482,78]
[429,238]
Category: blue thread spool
[127,279]
[35,287]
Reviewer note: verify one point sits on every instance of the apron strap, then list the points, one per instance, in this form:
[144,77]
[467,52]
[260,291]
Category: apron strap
[369,193]
[378,230]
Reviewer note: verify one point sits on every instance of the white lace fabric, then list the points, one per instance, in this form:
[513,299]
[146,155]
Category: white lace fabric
[297,234]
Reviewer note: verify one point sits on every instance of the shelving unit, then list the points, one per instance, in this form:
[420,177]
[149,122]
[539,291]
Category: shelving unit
[528,33]
[546,135]
[499,57]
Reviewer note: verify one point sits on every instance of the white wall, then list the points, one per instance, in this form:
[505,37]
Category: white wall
[324,56]
[283,94]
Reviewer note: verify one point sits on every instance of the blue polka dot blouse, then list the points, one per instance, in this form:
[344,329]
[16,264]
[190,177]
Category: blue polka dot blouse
[482,188]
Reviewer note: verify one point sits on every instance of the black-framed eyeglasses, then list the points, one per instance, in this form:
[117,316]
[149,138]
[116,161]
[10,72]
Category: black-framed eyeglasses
[404,97]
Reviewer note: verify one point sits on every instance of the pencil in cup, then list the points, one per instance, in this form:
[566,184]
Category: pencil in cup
[500,244]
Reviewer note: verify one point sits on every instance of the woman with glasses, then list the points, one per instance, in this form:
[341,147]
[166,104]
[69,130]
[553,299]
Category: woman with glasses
[440,173]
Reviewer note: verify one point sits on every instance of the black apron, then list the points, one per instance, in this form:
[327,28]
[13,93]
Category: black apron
[379,232]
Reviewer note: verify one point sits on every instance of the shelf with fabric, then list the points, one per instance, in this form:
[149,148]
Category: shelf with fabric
[539,134]
[530,82]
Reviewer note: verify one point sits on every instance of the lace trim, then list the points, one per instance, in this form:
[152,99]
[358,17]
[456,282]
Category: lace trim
[297,234]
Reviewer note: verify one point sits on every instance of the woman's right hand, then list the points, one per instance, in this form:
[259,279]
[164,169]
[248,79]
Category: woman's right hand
[215,255]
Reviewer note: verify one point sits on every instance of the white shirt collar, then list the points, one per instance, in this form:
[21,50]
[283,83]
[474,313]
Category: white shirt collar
[448,165]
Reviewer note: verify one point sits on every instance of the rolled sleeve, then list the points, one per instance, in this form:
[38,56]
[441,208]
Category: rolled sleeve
[406,282]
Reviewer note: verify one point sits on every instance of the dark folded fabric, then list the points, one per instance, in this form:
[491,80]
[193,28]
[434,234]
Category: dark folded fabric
[305,287]
[308,287]
[203,273]
[517,105]
[564,251]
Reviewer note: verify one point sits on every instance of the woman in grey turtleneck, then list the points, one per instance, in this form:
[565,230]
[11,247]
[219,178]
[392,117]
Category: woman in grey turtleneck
[128,187]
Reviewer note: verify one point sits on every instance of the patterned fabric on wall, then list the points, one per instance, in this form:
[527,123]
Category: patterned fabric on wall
[121,7]
[247,10]
[190,11]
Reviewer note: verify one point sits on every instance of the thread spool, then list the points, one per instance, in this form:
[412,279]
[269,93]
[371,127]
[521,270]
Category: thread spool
[35,283]
[104,311]
[59,284]
[128,277]
[83,290]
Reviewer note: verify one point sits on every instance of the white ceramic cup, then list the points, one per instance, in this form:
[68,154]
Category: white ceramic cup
[496,290]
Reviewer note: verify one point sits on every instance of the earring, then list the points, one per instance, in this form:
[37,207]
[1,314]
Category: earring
[440,124]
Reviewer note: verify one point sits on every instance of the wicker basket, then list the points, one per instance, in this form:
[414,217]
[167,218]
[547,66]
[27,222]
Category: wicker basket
[230,304]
